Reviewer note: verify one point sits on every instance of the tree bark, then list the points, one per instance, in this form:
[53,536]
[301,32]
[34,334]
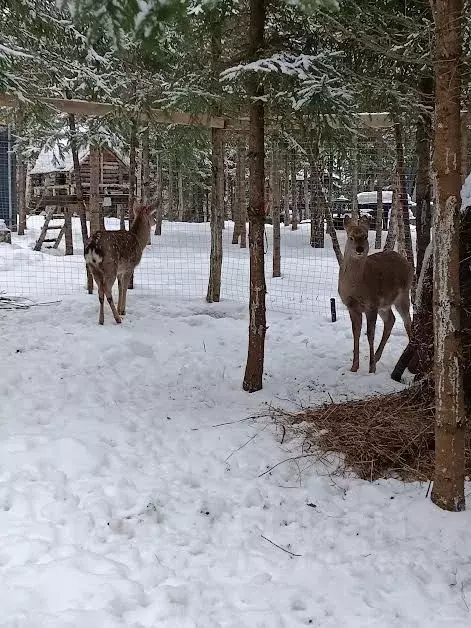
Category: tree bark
[94,189]
[379,195]
[218,179]
[294,194]
[243,199]
[69,241]
[132,183]
[170,214]
[355,210]
[159,199]
[21,193]
[82,208]
[286,191]
[404,234]
[180,196]
[448,487]
[237,208]
[275,212]
[306,195]
[392,227]
[316,208]
[253,377]
[217,215]
[145,188]
[423,187]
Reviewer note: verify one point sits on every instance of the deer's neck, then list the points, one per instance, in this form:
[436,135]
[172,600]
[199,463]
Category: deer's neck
[141,229]
[353,265]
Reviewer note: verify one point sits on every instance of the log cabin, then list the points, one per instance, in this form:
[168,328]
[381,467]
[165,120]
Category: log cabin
[52,181]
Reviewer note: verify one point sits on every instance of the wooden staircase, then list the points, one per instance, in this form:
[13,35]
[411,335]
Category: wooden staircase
[62,222]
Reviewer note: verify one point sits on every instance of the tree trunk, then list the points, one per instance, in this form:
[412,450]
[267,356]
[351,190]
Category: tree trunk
[253,378]
[145,155]
[286,190]
[392,227]
[294,194]
[218,178]
[423,187]
[217,215]
[94,189]
[355,211]
[243,199]
[448,487]
[379,196]
[275,212]
[238,193]
[317,210]
[306,212]
[403,235]
[170,214]
[180,195]
[21,193]
[69,241]
[132,183]
[159,200]
[82,208]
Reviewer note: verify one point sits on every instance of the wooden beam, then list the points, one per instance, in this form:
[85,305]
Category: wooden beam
[89,108]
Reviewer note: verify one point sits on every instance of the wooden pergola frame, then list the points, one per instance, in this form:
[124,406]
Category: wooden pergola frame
[164,116]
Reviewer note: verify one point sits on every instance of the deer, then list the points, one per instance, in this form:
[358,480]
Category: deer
[111,254]
[371,285]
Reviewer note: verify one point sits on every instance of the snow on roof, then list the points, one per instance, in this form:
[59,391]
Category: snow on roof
[59,158]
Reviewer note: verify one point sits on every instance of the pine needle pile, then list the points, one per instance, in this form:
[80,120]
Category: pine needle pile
[377,437]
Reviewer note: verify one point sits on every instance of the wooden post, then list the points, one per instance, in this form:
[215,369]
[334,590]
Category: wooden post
[94,189]
[69,242]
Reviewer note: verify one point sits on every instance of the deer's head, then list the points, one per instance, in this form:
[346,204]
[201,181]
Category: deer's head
[357,237]
[146,213]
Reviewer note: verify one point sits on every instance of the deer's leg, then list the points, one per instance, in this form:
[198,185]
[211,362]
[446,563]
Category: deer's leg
[371,317]
[101,298]
[120,295]
[109,297]
[388,320]
[126,281]
[402,304]
[355,317]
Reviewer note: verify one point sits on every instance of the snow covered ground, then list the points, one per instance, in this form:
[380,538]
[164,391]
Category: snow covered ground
[130,493]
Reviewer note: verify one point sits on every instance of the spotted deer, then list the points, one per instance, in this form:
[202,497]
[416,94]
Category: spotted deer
[111,254]
[372,284]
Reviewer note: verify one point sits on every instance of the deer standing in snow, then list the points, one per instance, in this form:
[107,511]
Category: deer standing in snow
[371,284]
[111,254]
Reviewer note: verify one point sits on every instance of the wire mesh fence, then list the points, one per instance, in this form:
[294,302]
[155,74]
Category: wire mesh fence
[176,264]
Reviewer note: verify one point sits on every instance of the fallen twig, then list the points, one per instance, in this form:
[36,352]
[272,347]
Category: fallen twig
[279,547]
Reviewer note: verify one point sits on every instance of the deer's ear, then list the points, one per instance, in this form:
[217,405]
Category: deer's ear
[152,212]
[347,221]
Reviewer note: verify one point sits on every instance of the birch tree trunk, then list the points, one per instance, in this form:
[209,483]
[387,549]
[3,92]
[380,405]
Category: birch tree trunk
[275,212]
[448,486]
[294,194]
[253,377]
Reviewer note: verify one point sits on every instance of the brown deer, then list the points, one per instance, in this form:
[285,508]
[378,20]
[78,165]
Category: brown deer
[371,284]
[111,254]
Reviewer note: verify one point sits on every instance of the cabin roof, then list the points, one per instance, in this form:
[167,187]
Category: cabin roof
[59,158]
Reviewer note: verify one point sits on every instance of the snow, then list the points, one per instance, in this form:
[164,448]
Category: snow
[58,158]
[466,194]
[130,493]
